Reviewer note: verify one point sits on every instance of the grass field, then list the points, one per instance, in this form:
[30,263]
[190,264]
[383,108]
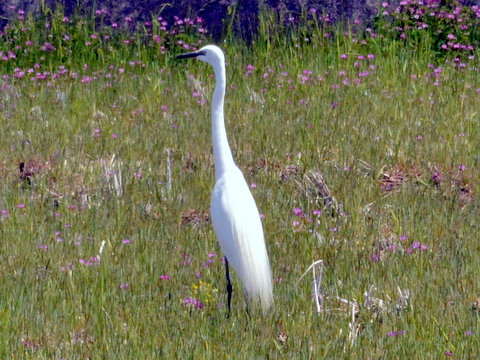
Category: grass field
[363,155]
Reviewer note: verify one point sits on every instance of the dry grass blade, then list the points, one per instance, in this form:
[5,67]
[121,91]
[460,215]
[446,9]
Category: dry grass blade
[255,97]
[196,86]
[316,189]
[365,166]
[169,170]
[354,327]
[318,296]
[399,177]
[113,174]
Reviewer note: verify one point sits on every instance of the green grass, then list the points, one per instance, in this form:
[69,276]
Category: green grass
[397,152]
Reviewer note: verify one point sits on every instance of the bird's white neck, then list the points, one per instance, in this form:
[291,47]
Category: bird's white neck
[221,150]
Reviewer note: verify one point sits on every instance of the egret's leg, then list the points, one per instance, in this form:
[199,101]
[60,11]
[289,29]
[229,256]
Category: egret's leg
[229,286]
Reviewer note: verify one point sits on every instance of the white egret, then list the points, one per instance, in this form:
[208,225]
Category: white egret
[233,210]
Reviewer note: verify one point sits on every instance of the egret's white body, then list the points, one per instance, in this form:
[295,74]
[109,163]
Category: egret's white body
[234,213]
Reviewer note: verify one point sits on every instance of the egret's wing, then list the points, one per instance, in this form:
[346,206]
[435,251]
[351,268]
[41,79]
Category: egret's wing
[239,230]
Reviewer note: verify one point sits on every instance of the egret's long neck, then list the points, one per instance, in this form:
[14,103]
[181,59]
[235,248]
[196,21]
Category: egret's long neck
[221,150]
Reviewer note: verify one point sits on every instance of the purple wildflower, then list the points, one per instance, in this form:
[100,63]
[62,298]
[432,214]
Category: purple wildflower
[297,211]
[193,303]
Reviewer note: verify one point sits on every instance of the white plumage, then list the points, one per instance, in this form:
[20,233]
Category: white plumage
[240,234]
[234,213]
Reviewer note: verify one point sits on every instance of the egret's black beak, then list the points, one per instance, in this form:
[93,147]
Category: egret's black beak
[190,55]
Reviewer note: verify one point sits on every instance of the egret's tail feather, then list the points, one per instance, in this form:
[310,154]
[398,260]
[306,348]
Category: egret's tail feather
[257,279]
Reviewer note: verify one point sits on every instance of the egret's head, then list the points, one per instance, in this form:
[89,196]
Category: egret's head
[210,54]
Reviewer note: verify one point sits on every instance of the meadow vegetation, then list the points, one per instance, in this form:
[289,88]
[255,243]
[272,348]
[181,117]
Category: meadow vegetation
[361,148]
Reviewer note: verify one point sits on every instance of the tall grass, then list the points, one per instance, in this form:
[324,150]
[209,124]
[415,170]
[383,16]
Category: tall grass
[107,249]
